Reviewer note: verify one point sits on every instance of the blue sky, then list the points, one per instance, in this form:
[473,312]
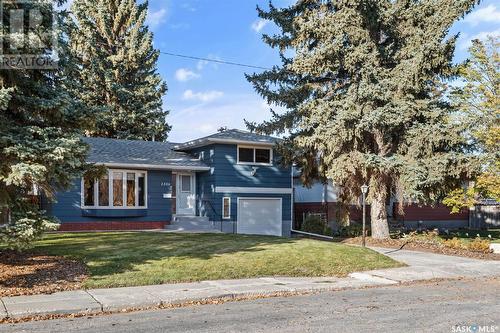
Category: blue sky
[205,96]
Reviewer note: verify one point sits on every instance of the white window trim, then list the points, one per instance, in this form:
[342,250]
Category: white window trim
[254,148]
[253,190]
[229,216]
[110,191]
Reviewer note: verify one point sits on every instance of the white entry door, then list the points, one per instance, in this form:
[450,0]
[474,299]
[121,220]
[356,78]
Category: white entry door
[259,216]
[186,194]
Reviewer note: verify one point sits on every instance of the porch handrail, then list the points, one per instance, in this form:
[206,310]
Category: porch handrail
[213,210]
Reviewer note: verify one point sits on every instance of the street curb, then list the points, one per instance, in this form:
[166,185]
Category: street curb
[372,278]
[99,304]
[3,310]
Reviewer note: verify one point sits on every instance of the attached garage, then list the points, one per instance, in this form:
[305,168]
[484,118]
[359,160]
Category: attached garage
[259,216]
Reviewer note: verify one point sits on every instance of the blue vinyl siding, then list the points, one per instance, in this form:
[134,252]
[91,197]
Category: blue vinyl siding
[226,172]
[229,173]
[67,206]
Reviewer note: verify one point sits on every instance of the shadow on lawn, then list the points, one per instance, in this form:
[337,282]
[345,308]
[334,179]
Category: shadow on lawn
[112,253]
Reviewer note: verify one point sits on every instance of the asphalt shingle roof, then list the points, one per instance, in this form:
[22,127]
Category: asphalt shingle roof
[104,150]
[230,135]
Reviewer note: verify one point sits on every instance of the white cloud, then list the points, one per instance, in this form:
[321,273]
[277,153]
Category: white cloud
[206,96]
[258,25]
[203,63]
[156,18]
[486,14]
[466,40]
[183,75]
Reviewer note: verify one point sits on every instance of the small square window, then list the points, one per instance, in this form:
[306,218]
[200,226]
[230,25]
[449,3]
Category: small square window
[263,156]
[226,208]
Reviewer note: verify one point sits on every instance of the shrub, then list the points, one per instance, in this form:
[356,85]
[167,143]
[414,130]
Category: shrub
[25,229]
[315,225]
[353,230]
[479,245]
[455,243]
[424,238]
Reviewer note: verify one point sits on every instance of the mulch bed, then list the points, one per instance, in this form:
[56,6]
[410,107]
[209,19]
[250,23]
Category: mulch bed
[424,247]
[29,273]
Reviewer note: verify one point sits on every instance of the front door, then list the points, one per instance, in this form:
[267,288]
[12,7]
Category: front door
[185,194]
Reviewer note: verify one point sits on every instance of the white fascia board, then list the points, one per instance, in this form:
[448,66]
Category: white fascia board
[207,142]
[242,142]
[254,190]
[156,167]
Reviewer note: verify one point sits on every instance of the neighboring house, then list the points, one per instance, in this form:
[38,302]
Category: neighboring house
[232,178]
[321,199]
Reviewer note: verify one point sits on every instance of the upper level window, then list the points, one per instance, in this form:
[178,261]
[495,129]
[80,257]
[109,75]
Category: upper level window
[116,189]
[250,155]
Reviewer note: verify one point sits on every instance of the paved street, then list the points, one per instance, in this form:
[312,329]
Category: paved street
[423,307]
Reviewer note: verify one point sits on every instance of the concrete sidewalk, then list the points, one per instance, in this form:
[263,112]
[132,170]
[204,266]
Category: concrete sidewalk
[422,266]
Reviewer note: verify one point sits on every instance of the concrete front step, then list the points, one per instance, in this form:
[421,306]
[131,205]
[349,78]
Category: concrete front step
[191,224]
[185,218]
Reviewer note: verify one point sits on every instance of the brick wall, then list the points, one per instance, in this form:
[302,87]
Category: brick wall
[412,212]
[112,225]
[440,212]
[329,209]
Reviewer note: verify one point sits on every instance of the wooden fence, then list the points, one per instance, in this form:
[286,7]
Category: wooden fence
[485,216]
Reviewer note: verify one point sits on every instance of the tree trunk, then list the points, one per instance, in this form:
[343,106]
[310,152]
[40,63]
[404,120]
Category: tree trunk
[378,210]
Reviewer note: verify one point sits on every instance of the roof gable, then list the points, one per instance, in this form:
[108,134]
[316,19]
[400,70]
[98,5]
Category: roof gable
[232,136]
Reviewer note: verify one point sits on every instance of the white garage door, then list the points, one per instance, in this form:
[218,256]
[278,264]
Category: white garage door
[259,216]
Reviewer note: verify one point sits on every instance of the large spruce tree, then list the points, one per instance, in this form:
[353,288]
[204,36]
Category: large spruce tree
[40,149]
[363,85]
[117,71]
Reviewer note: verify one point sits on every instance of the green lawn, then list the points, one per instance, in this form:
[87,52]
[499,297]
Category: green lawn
[141,258]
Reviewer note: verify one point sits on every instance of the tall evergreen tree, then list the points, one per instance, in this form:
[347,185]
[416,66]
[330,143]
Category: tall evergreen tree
[363,82]
[40,150]
[117,71]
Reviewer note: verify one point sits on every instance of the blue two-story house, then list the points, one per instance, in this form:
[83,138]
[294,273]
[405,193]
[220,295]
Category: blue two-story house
[232,180]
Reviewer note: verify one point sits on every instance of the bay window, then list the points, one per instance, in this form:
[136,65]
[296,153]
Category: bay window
[116,189]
